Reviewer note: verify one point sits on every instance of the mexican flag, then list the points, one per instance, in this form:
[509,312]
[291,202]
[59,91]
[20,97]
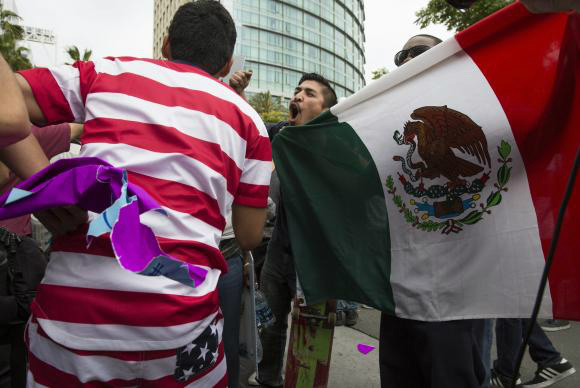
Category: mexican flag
[432,193]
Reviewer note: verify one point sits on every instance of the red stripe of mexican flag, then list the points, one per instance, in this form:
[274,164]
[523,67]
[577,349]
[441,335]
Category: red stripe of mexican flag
[544,112]
[432,193]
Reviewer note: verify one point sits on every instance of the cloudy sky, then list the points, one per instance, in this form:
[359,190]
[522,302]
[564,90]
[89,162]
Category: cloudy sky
[113,27]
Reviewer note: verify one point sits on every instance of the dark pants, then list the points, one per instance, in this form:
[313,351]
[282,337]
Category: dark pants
[230,295]
[13,336]
[415,354]
[279,287]
[259,254]
[509,335]
[483,334]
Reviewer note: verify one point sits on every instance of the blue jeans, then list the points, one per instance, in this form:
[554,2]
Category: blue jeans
[279,287]
[509,337]
[230,287]
[483,335]
[343,305]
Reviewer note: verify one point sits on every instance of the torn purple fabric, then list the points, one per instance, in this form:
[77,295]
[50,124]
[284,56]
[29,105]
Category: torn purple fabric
[96,186]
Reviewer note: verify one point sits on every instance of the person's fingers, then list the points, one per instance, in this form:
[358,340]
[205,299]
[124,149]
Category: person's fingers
[235,80]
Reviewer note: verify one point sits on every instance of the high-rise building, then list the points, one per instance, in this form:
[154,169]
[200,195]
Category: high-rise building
[282,39]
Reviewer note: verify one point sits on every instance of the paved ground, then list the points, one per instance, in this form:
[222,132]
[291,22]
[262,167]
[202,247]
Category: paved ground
[566,341]
[350,369]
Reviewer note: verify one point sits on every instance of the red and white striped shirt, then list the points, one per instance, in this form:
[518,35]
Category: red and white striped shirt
[196,147]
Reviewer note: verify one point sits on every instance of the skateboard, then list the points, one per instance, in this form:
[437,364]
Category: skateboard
[310,346]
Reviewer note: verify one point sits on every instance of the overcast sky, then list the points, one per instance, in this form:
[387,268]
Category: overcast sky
[125,27]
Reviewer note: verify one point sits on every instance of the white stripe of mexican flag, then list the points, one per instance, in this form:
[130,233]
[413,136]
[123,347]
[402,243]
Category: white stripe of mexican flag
[422,194]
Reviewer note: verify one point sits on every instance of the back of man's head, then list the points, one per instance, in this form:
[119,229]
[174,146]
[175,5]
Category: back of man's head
[203,33]
[434,39]
[329,94]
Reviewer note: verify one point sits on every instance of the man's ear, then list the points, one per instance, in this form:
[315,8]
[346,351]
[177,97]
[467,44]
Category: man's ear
[226,69]
[166,48]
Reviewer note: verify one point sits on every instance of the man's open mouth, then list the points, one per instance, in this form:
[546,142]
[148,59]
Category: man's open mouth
[294,110]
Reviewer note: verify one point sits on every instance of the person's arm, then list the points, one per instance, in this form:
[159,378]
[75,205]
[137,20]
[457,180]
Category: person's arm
[76,130]
[24,158]
[248,223]
[239,81]
[34,112]
[51,96]
[14,121]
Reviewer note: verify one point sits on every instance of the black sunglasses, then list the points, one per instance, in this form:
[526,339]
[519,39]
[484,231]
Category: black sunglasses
[410,53]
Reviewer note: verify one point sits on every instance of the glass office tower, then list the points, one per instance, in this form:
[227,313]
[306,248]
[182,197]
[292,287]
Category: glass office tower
[282,39]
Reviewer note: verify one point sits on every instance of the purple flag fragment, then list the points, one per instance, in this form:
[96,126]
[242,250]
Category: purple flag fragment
[96,186]
[365,349]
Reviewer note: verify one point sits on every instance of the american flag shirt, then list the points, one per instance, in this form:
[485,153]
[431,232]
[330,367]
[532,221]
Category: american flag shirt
[197,148]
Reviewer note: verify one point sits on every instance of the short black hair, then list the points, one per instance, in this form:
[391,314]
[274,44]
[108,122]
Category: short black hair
[434,38]
[203,33]
[330,99]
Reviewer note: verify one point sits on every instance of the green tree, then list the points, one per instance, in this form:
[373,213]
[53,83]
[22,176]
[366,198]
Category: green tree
[75,54]
[269,107]
[274,116]
[11,34]
[440,12]
[378,73]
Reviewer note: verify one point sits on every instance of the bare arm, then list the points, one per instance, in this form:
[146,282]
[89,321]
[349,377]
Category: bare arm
[24,158]
[76,130]
[14,122]
[240,81]
[34,112]
[248,223]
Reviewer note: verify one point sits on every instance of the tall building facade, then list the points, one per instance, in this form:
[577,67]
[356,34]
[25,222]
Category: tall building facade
[282,39]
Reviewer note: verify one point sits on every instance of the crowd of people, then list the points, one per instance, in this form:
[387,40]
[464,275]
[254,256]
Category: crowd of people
[203,153]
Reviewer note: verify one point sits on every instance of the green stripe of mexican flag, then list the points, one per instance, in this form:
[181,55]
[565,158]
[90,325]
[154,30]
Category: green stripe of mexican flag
[432,193]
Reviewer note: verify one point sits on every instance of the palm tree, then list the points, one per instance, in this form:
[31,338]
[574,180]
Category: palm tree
[75,54]
[10,35]
[269,107]
[265,102]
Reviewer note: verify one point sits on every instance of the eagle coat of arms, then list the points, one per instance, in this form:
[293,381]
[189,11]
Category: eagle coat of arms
[444,140]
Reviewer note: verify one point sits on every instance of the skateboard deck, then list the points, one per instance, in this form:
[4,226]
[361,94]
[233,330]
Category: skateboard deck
[310,346]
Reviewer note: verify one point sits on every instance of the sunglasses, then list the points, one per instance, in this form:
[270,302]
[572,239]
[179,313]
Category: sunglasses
[409,53]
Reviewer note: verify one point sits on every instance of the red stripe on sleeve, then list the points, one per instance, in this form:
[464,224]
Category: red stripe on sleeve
[87,77]
[48,96]
[252,195]
[261,149]
[532,63]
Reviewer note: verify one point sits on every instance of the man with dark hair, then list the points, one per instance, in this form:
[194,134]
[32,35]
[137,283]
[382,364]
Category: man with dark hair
[312,96]
[203,35]
[193,145]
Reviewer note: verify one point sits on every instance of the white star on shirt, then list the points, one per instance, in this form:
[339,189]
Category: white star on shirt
[203,352]
[214,328]
[187,373]
[215,356]
[188,348]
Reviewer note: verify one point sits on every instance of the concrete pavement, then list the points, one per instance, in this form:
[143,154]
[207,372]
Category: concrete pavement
[351,369]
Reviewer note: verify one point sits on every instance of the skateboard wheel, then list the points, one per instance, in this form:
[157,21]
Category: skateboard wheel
[295,314]
[332,318]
